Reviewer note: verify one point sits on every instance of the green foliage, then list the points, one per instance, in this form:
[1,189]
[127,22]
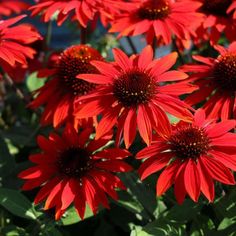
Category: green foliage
[15,202]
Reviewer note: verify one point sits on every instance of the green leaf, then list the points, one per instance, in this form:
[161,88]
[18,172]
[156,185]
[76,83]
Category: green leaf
[33,82]
[226,222]
[144,196]
[12,230]
[71,216]
[17,203]
[7,162]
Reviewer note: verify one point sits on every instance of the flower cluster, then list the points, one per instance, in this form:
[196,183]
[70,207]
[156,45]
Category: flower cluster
[89,100]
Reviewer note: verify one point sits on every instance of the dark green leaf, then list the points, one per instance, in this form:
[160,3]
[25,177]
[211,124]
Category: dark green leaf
[17,203]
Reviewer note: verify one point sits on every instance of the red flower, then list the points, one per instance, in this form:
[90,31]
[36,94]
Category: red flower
[14,41]
[133,94]
[82,10]
[59,93]
[232,8]
[71,170]
[216,79]
[162,18]
[19,72]
[193,154]
[217,20]
[9,7]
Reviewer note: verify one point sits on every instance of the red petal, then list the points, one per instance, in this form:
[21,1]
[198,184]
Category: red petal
[114,166]
[107,122]
[62,111]
[122,59]
[54,194]
[228,139]
[192,180]
[144,124]
[46,189]
[167,177]
[145,57]
[112,153]
[67,195]
[172,75]
[227,160]
[95,78]
[199,117]
[154,164]
[130,126]
[179,189]
[163,64]
[220,128]
[218,171]
[207,184]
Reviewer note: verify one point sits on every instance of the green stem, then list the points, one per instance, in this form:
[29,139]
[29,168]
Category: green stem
[18,92]
[175,48]
[83,35]
[131,44]
[48,34]
[154,46]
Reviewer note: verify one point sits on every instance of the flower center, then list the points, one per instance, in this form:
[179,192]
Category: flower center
[74,162]
[189,142]
[134,87]
[154,10]
[76,60]
[225,72]
[216,7]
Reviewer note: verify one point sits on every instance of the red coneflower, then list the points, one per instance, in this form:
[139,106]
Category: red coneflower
[132,94]
[9,7]
[14,41]
[71,170]
[232,8]
[81,10]
[218,19]
[162,18]
[216,80]
[59,93]
[193,154]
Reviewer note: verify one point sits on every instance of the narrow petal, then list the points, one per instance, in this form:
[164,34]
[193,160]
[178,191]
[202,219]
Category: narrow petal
[167,177]
[227,160]
[107,122]
[207,184]
[220,128]
[163,64]
[144,124]
[67,196]
[145,57]
[154,164]
[179,189]
[192,180]
[218,171]
[95,78]
[122,59]
[114,166]
[130,126]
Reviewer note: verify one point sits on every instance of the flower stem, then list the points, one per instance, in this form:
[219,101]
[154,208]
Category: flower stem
[18,92]
[49,34]
[154,46]
[131,44]
[175,48]
[83,35]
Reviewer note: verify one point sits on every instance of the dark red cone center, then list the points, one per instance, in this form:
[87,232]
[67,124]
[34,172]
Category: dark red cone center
[154,10]
[134,87]
[189,142]
[225,72]
[216,7]
[74,162]
[76,60]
